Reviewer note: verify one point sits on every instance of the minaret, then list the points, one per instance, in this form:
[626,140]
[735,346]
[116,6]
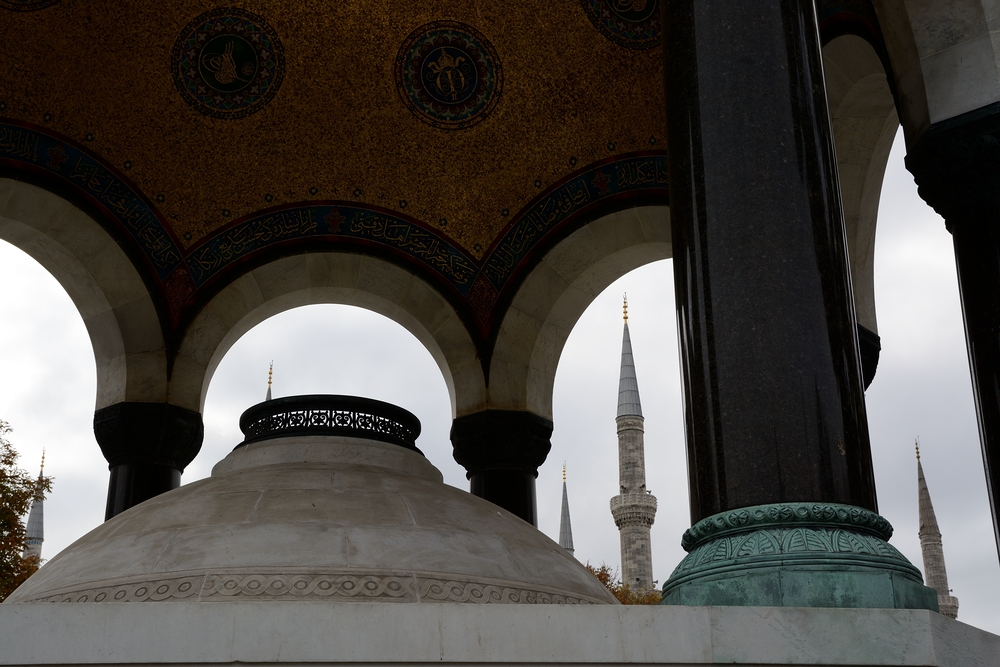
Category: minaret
[270,374]
[565,529]
[35,533]
[634,508]
[935,575]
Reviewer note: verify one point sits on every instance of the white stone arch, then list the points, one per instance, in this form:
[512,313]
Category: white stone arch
[945,57]
[556,293]
[326,277]
[864,125]
[102,282]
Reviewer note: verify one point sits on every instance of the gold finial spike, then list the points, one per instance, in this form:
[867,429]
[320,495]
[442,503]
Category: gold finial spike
[564,472]
[42,469]
[916,444]
[625,308]
[270,374]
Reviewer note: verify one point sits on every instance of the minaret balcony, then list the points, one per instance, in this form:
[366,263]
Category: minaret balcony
[635,508]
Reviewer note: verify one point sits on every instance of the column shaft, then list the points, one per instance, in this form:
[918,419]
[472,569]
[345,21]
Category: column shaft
[977,254]
[771,371]
[501,450]
[956,165]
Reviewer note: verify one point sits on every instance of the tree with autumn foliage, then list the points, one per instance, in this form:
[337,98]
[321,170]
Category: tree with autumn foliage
[622,592]
[17,490]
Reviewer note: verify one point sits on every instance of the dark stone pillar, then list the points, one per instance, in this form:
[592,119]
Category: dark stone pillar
[956,165]
[147,446]
[501,450]
[777,436]
[772,376]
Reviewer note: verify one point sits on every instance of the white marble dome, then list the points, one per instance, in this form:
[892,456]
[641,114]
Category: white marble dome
[325,517]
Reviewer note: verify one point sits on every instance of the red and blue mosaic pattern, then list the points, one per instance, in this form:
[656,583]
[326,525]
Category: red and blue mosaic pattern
[26,5]
[228,63]
[634,24]
[449,75]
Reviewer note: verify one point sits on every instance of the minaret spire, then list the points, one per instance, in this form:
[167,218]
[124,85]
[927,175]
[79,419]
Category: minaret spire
[634,508]
[565,529]
[935,574]
[270,374]
[628,386]
[35,533]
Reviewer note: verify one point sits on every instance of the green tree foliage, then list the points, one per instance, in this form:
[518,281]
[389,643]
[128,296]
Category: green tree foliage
[622,592]
[17,489]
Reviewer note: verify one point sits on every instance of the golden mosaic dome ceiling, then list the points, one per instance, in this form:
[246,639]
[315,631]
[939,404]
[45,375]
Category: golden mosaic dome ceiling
[209,134]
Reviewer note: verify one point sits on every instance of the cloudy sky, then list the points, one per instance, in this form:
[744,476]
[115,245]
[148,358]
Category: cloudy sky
[922,389]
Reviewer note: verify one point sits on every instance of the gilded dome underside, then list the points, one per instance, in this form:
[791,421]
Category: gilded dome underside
[311,137]
[336,129]
[458,139]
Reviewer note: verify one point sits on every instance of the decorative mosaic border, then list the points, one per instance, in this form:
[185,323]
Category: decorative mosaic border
[477,287]
[334,586]
[114,195]
[329,220]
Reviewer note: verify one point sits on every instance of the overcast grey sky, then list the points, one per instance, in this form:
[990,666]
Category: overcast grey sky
[922,389]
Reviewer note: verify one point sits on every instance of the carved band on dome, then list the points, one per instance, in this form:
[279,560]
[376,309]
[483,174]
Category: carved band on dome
[785,515]
[228,63]
[331,586]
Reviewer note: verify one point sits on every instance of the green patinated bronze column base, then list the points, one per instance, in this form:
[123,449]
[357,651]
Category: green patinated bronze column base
[796,555]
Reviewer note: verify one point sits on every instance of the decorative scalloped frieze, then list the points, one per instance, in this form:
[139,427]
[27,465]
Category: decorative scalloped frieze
[334,586]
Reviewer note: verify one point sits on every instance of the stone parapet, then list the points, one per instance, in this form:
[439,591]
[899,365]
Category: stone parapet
[306,633]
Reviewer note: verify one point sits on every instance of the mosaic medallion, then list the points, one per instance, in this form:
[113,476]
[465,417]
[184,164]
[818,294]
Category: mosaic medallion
[228,63]
[449,75]
[634,24]
[26,5]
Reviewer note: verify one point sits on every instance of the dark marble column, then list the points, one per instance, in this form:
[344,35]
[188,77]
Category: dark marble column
[772,378]
[956,165]
[501,450]
[147,446]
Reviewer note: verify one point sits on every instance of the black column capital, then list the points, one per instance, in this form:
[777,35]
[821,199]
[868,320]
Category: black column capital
[501,440]
[147,446]
[157,433]
[501,450]
[956,165]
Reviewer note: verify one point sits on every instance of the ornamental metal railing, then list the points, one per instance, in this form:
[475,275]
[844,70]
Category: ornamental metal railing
[330,415]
